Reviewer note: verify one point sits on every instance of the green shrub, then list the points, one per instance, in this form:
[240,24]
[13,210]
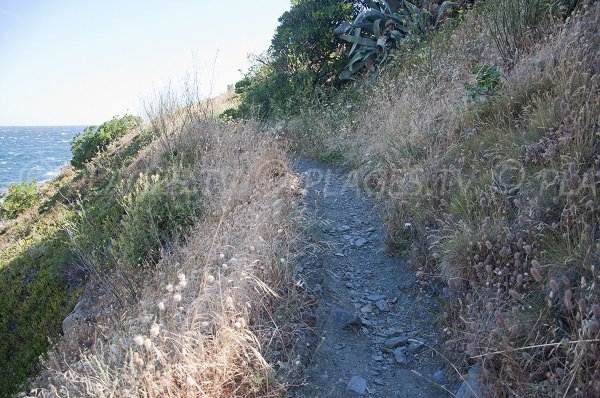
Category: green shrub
[34,298]
[487,81]
[94,139]
[19,198]
[157,210]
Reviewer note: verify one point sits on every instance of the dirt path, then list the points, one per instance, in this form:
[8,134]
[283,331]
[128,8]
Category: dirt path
[371,314]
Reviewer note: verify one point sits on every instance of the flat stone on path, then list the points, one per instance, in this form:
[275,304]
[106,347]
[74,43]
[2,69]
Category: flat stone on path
[382,305]
[360,242]
[400,357]
[357,386]
[344,319]
[395,342]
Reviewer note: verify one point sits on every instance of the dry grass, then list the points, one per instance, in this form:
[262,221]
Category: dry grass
[214,305]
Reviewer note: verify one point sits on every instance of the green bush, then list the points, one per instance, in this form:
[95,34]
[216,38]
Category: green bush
[94,139]
[19,198]
[34,298]
[157,210]
[487,81]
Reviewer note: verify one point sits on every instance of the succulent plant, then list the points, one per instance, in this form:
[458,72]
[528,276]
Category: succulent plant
[380,27]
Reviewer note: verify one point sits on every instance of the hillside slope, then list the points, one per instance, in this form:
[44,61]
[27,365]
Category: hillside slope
[494,163]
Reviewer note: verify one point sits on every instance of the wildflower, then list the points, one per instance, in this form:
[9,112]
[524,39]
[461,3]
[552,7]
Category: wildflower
[154,330]
[139,340]
[177,298]
[210,279]
[190,381]
[224,266]
[280,231]
[181,276]
[138,360]
[221,256]
[182,284]
[161,306]
[147,343]
[169,288]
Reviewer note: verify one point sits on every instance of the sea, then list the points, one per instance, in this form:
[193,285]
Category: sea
[34,153]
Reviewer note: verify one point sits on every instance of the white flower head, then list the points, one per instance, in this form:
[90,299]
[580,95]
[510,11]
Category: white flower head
[210,279]
[182,285]
[181,276]
[169,288]
[139,340]
[154,330]
[161,306]
[190,381]
[177,298]
[147,343]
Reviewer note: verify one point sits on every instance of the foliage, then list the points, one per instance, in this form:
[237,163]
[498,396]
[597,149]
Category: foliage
[513,24]
[19,198]
[94,139]
[34,298]
[381,27]
[156,211]
[38,278]
[304,55]
[487,81]
[304,41]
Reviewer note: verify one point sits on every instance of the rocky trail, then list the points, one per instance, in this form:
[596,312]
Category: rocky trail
[374,329]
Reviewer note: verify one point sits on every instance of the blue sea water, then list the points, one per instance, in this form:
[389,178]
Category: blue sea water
[34,153]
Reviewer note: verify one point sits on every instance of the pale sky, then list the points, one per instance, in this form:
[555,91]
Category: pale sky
[81,62]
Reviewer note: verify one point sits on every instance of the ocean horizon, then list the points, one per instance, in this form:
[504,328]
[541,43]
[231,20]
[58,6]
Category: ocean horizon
[34,152]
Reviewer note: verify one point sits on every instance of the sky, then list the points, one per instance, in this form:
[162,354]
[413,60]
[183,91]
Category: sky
[81,62]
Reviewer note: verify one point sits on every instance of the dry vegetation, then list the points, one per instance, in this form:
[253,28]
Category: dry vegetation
[501,193]
[200,320]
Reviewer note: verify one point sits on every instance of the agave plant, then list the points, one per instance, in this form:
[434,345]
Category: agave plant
[380,27]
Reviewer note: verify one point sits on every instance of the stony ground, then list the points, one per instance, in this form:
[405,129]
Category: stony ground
[374,332]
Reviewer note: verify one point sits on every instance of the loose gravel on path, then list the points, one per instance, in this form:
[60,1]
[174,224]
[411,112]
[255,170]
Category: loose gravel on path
[374,329]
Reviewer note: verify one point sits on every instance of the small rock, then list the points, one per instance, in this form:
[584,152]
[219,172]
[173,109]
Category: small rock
[360,242]
[344,319]
[395,342]
[367,308]
[471,387]
[377,358]
[339,254]
[439,377]
[344,228]
[415,346]
[382,305]
[375,297]
[357,386]
[394,332]
[400,357]
[366,322]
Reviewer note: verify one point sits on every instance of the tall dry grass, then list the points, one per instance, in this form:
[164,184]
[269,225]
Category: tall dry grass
[205,316]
